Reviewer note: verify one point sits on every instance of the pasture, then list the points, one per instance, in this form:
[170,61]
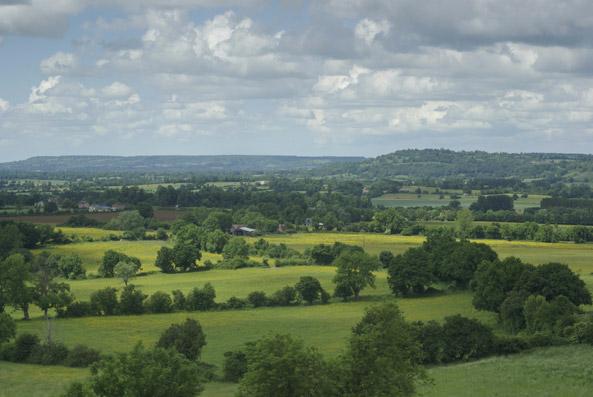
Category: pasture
[549,372]
[160,214]
[326,327]
[578,256]
[407,199]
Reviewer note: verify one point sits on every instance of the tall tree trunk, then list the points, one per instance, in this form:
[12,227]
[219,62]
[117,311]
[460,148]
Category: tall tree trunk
[26,311]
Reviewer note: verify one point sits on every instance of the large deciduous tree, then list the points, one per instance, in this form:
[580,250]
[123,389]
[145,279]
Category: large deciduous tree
[354,272]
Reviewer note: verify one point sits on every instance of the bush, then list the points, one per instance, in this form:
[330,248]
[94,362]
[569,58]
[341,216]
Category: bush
[49,354]
[201,299]
[466,339]
[7,327]
[80,309]
[82,356]
[70,267]
[187,339]
[285,297]
[24,345]
[105,301]
[164,260]
[234,366]
[309,288]
[179,301]
[131,301]
[235,303]
[430,337]
[505,345]
[257,299]
[292,261]
[236,263]
[159,302]
[143,372]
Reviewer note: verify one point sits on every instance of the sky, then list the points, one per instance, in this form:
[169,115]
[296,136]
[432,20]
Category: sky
[325,77]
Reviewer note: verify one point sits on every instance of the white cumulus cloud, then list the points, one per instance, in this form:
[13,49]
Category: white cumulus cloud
[59,63]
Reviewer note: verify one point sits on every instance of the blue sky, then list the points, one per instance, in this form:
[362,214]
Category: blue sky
[334,77]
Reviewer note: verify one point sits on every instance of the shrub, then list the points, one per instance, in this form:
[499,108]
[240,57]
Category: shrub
[48,354]
[105,301]
[143,372]
[131,300]
[80,309]
[430,337]
[309,288]
[159,302]
[7,327]
[164,260]
[70,266]
[466,339]
[82,356]
[257,299]
[235,303]
[234,366]
[292,261]
[111,259]
[285,296]
[504,345]
[201,299]
[187,338]
[24,345]
[179,301]
[511,313]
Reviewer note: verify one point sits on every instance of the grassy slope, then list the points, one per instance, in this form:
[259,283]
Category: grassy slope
[323,326]
[551,372]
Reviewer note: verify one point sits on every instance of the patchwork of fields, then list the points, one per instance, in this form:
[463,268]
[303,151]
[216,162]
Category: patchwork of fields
[324,326]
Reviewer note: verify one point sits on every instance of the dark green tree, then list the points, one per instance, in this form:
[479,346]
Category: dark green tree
[131,300]
[354,271]
[187,339]
[7,327]
[410,273]
[164,260]
[309,288]
[493,281]
[283,366]
[105,301]
[185,256]
[142,372]
[383,358]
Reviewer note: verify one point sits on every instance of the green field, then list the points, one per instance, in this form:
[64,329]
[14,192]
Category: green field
[550,372]
[88,232]
[433,200]
[325,326]
[578,256]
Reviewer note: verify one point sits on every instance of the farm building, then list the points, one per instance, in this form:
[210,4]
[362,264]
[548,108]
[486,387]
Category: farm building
[242,230]
[100,208]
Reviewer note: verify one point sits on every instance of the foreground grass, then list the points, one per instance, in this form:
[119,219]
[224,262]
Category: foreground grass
[26,380]
[551,372]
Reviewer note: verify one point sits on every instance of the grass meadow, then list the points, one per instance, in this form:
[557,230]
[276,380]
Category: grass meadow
[549,372]
[326,327]
[404,199]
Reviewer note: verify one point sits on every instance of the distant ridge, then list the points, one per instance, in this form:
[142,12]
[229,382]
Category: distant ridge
[443,163]
[167,164]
